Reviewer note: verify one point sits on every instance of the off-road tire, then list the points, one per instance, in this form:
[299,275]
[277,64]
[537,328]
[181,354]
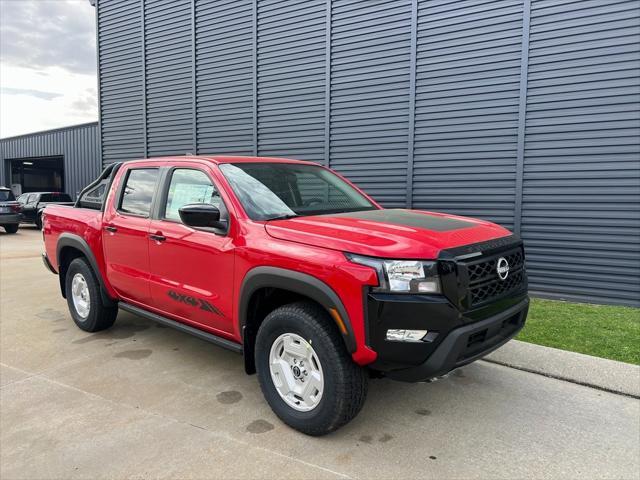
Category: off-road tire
[345,382]
[100,317]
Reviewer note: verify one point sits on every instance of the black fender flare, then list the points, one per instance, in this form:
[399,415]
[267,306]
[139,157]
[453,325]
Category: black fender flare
[78,243]
[298,282]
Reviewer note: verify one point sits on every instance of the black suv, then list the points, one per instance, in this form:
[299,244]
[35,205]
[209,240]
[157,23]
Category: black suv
[33,203]
[9,211]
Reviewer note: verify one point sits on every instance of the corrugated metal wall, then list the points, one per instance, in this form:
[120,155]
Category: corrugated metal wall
[225,83]
[123,125]
[524,112]
[78,145]
[581,191]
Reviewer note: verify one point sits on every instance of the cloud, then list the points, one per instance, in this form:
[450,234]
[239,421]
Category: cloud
[25,91]
[47,65]
[87,103]
[47,33]
[69,99]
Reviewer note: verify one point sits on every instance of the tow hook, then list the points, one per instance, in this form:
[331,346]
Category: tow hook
[435,379]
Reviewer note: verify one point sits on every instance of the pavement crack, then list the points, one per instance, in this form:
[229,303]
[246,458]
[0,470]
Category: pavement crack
[562,378]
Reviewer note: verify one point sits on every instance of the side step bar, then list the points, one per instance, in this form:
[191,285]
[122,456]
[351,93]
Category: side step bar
[209,337]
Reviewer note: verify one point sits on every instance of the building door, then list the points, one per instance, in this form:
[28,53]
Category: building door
[38,174]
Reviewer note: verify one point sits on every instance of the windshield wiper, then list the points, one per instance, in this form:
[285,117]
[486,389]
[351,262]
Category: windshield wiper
[283,217]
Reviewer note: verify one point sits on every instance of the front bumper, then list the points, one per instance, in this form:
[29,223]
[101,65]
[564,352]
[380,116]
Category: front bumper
[467,344]
[455,338]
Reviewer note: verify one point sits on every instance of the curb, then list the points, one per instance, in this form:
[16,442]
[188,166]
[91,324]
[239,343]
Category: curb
[608,375]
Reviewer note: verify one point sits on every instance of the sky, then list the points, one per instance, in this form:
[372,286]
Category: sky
[47,65]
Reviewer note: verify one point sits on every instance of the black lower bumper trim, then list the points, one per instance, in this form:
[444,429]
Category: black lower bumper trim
[466,344]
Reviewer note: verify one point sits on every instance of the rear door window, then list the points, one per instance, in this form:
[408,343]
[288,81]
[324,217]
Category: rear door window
[137,194]
[189,186]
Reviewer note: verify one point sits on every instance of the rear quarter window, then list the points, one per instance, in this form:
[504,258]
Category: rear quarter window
[138,191]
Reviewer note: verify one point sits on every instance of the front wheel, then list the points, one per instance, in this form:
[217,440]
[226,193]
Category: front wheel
[38,221]
[305,372]
[12,228]
[84,300]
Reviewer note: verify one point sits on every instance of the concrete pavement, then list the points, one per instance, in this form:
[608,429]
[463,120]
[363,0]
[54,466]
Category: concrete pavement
[608,375]
[140,401]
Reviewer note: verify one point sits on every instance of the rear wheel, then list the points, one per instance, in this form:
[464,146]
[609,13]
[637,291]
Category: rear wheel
[84,299]
[305,372]
[12,228]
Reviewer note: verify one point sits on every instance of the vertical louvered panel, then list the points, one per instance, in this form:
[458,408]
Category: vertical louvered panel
[370,58]
[121,82]
[469,135]
[581,203]
[291,78]
[468,79]
[168,77]
[224,74]
[77,145]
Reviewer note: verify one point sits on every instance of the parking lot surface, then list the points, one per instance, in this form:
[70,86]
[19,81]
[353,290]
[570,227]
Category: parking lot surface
[140,401]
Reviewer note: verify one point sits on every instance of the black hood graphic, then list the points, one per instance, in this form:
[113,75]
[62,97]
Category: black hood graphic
[409,219]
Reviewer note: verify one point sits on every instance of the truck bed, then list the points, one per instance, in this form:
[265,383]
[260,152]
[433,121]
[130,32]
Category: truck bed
[83,222]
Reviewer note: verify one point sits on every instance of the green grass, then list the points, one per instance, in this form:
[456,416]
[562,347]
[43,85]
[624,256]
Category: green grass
[599,330]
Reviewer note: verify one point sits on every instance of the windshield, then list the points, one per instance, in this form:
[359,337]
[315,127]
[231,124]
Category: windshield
[280,190]
[6,195]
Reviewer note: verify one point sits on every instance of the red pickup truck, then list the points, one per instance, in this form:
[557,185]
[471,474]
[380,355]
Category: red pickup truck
[293,266]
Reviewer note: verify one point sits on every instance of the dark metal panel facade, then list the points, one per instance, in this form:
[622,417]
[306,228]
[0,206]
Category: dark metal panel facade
[78,145]
[370,67]
[466,119]
[168,74]
[224,76]
[524,112]
[120,67]
[581,191]
[291,79]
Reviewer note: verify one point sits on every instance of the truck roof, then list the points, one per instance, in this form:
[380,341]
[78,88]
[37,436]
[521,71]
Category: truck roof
[218,159]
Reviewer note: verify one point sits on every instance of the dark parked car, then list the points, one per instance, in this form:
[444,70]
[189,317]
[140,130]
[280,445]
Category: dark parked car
[9,211]
[33,204]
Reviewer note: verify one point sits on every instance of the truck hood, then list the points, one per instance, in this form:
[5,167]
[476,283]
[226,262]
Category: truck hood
[388,233]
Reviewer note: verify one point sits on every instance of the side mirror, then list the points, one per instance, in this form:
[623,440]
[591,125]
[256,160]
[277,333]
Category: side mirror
[202,215]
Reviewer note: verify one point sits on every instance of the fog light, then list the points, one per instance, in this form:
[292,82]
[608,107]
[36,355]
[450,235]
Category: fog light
[395,335]
[429,286]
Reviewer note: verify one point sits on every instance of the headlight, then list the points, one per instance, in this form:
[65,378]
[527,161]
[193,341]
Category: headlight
[406,276]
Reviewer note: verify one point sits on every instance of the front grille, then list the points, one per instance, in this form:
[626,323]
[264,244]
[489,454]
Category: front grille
[494,289]
[486,270]
[483,281]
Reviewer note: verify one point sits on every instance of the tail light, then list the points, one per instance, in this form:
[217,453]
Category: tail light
[17,208]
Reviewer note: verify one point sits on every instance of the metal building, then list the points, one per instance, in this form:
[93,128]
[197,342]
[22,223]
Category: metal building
[60,160]
[525,112]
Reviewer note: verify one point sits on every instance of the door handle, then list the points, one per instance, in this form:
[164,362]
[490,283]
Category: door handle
[110,228]
[158,237]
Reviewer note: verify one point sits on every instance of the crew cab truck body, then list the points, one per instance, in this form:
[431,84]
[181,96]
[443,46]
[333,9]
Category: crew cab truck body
[290,264]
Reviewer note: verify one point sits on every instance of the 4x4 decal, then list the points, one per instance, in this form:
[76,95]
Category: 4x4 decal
[194,302]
